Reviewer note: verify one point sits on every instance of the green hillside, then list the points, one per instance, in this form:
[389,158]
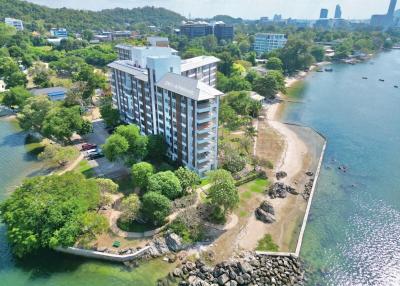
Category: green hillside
[77,20]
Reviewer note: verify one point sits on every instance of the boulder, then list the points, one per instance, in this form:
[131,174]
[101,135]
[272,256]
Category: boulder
[245,267]
[174,242]
[280,175]
[264,216]
[223,279]
[267,207]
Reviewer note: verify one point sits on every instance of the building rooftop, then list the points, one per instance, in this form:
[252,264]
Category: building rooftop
[188,87]
[196,62]
[129,67]
[49,90]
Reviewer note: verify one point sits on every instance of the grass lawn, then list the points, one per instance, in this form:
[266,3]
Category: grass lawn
[135,226]
[84,168]
[267,244]
[258,186]
[205,181]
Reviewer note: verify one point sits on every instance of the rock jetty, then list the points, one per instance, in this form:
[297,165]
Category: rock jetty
[252,269]
[265,212]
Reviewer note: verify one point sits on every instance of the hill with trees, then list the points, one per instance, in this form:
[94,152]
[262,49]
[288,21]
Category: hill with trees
[37,16]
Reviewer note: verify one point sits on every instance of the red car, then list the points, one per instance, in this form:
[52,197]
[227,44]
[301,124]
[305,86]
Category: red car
[88,146]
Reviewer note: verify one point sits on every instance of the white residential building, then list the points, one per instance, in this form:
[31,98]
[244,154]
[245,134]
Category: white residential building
[16,23]
[266,42]
[151,90]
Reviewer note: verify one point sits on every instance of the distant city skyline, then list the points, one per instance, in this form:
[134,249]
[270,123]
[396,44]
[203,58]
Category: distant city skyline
[247,9]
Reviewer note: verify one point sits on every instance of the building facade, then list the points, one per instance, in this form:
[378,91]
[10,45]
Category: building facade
[60,33]
[338,12]
[324,13]
[16,23]
[219,29]
[223,31]
[163,95]
[158,41]
[266,42]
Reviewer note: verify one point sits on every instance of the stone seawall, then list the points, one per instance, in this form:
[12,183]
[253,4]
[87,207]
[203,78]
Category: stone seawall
[103,255]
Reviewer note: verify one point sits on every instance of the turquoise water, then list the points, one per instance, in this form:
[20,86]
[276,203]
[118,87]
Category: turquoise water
[353,234]
[49,268]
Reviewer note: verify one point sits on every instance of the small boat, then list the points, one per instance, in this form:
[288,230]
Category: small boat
[364,77]
[396,86]
[381,79]
[329,69]
[319,70]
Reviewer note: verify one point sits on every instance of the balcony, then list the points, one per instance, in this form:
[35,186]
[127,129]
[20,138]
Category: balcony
[204,117]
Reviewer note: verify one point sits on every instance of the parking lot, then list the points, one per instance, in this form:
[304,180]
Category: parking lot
[101,166]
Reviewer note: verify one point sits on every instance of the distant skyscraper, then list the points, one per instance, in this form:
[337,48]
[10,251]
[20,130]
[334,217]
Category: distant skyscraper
[338,12]
[392,7]
[323,14]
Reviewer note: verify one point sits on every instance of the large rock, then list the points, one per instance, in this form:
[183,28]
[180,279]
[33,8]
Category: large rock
[267,207]
[158,247]
[264,216]
[223,279]
[245,267]
[174,242]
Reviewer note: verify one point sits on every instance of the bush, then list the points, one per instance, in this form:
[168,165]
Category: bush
[156,207]
[141,173]
[165,183]
[267,244]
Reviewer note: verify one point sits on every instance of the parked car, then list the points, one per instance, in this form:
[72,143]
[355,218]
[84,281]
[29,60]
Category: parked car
[88,146]
[95,155]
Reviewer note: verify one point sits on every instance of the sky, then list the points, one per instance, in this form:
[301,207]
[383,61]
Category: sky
[247,9]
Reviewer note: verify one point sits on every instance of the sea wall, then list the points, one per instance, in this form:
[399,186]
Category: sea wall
[103,255]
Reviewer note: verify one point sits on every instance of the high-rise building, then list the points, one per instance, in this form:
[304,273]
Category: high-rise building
[338,12]
[219,29]
[164,95]
[266,42]
[392,7]
[324,13]
[16,23]
[385,20]
[223,31]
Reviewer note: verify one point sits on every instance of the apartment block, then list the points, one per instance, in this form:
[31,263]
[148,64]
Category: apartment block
[16,23]
[266,42]
[163,95]
[219,29]
[60,33]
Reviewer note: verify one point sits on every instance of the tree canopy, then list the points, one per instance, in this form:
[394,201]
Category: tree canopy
[223,192]
[165,183]
[141,173]
[187,178]
[156,207]
[45,212]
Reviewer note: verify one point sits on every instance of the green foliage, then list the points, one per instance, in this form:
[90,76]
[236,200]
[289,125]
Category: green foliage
[296,55]
[116,147]
[130,207]
[156,207]
[108,112]
[242,104]
[157,148]
[187,178]
[55,155]
[61,123]
[50,211]
[165,183]
[34,112]
[267,244]
[41,75]
[233,161]
[11,74]
[137,149]
[223,192]
[274,63]
[106,185]
[318,52]
[188,228]
[16,96]
[234,83]
[266,86]
[141,173]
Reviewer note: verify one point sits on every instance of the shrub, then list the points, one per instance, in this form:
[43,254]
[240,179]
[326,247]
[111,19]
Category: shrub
[155,207]
[165,183]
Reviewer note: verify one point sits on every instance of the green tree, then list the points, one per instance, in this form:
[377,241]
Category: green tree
[87,35]
[49,211]
[108,112]
[187,178]
[116,147]
[55,155]
[156,207]
[233,161]
[274,63]
[137,143]
[223,192]
[165,183]
[61,123]
[41,75]
[130,207]
[318,52]
[266,86]
[157,148]
[141,173]
[34,112]
[106,185]
[16,96]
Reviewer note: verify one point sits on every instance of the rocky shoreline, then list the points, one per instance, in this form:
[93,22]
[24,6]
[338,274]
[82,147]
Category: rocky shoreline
[248,269]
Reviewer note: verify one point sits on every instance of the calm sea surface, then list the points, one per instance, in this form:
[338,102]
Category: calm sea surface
[353,235]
